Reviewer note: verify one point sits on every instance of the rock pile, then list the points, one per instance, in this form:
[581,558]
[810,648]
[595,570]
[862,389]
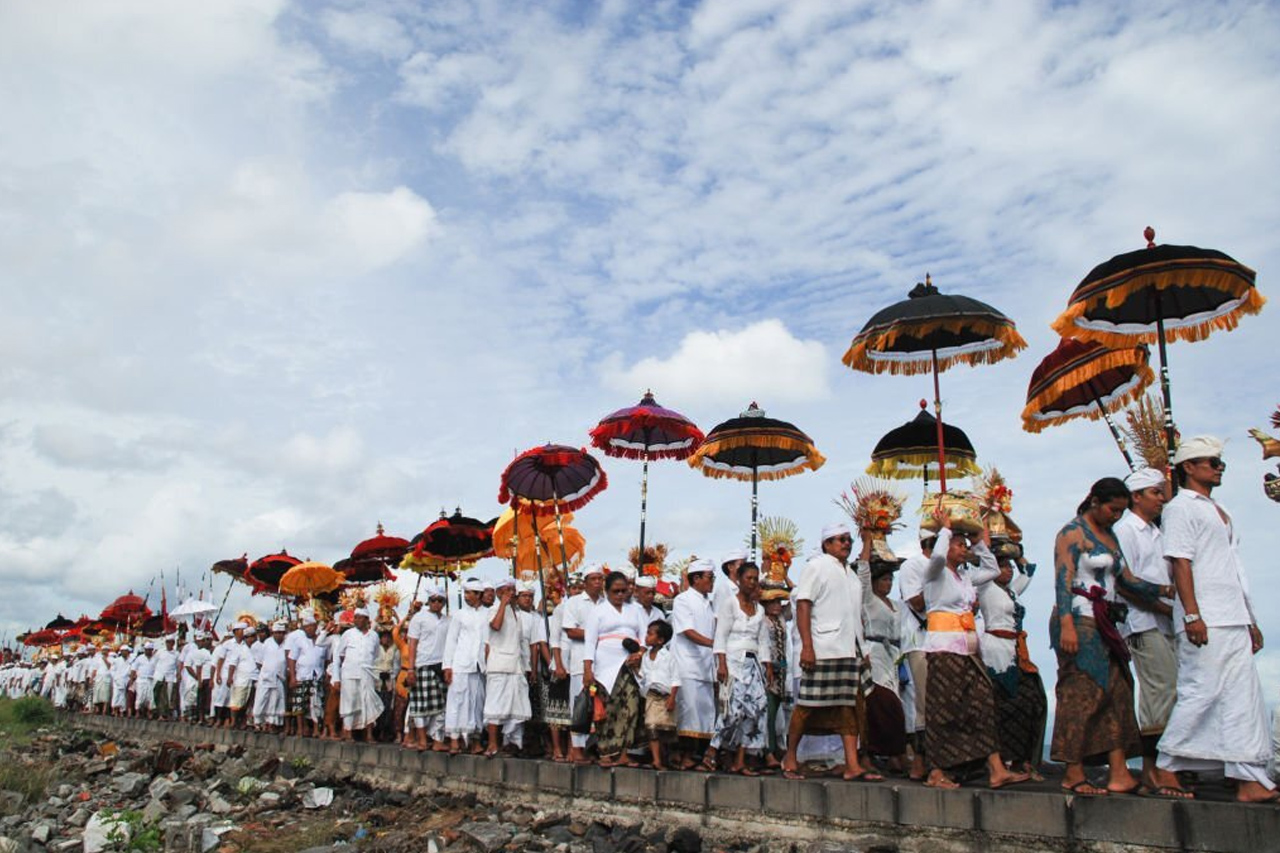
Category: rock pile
[104,796]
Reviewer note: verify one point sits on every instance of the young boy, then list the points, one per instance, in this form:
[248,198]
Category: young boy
[660,681]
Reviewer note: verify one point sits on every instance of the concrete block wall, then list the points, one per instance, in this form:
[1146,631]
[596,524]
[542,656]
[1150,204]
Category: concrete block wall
[906,815]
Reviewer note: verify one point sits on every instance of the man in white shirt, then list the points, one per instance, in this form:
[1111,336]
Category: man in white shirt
[220,694]
[1148,628]
[572,645]
[427,632]
[300,677]
[694,623]
[268,703]
[463,665]
[144,669]
[911,591]
[533,648]
[193,665]
[646,589]
[120,681]
[828,602]
[1220,718]
[360,704]
[506,697]
[165,677]
[241,668]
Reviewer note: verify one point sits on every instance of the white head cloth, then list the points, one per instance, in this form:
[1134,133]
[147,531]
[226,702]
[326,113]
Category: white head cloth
[646,582]
[832,530]
[1200,447]
[629,572]
[278,626]
[503,583]
[703,565]
[473,585]
[1144,478]
[733,555]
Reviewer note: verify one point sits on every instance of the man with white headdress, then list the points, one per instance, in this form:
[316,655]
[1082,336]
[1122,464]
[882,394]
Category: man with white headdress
[646,589]
[1219,721]
[269,701]
[302,675]
[573,645]
[726,586]
[144,668]
[464,668]
[506,697]
[834,673]
[241,670]
[1148,627]
[100,678]
[120,680]
[360,704]
[190,664]
[220,695]
[427,631]
[694,623]
[165,677]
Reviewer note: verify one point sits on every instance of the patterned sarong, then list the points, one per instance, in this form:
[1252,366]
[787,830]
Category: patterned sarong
[832,683]
[961,710]
[428,694]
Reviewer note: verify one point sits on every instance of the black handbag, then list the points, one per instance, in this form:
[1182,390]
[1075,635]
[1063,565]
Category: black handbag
[582,720]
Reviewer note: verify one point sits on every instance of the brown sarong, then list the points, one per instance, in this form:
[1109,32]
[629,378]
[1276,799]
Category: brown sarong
[961,711]
[1020,719]
[886,723]
[1090,722]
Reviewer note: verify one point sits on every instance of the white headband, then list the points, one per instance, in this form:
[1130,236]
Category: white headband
[1144,478]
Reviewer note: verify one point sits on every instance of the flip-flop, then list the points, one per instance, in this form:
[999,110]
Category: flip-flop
[944,785]
[1085,783]
[1136,791]
[864,776]
[1166,792]
[793,775]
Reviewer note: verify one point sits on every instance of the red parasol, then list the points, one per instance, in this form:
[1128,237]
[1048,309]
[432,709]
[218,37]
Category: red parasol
[646,431]
[552,478]
[125,610]
[390,549]
[265,572]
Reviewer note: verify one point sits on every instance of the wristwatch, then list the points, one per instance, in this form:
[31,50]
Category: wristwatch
[1188,618]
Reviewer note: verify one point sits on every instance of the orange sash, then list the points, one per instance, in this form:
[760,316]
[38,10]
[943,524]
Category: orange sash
[1020,644]
[940,620]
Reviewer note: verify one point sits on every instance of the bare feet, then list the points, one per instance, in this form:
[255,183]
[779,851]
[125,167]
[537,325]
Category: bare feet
[938,779]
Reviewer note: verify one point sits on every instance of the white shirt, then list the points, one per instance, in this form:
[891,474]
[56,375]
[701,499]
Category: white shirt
[505,654]
[166,666]
[723,590]
[911,584]
[273,667]
[1143,549]
[1193,530]
[658,671]
[196,659]
[882,623]
[946,591]
[835,622]
[312,654]
[738,634]
[464,643]
[241,657]
[576,610]
[429,630]
[533,631]
[356,653]
[691,611]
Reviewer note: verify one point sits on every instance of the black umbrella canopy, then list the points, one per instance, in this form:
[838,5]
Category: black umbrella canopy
[932,330]
[911,450]
[455,537]
[60,623]
[753,446]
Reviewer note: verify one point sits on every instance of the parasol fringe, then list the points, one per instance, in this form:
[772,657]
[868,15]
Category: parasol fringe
[1130,357]
[1250,302]
[1011,343]
[1226,276]
[630,453]
[815,460]
[908,466]
[716,474]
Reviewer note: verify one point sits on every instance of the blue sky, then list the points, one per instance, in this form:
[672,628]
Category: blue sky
[274,272]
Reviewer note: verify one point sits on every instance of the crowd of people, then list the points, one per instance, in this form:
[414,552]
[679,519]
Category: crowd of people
[756,676]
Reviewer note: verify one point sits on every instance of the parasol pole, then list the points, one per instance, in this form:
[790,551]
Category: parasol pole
[230,583]
[644,499]
[1164,377]
[537,553]
[1111,424]
[937,411]
[755,502]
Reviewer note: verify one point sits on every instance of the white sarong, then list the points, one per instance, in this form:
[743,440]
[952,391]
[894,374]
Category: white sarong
[464,707]
[359,702]
[268,703]
[1219,721]
[696,709]
[506,698]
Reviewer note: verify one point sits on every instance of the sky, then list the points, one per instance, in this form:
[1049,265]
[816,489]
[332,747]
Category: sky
[275,272]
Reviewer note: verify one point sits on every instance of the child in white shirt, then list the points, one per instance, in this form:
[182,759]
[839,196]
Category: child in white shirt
[660,681]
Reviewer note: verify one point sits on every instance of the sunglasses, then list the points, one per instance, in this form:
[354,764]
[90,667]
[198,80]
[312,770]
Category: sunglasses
[845,538]
[1214,462]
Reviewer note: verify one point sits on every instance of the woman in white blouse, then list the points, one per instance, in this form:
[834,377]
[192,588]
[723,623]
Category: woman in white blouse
[960,705]
[882,620]
[743,652]
[614,642]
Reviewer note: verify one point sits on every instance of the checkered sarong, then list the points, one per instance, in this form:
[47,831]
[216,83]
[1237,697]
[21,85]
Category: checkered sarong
[834,683]
[298,702]
[427,695]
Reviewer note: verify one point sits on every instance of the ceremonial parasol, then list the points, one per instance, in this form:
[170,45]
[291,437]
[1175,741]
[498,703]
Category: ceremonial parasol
[43,637]
[528,541]
[266,571]
[59,623]
[551,479]
[363,571]
[911,450]
[929,332]
[192,608]
[310,579]
[646,431]
[125,610]
[755,447]
[1157,295]
[449,542]
[1084,379]
[371,560]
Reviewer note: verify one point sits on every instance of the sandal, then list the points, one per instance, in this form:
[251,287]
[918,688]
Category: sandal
[793,775]
[743,771]
[706,765]
[864,776]
[1079,789]
[943,784]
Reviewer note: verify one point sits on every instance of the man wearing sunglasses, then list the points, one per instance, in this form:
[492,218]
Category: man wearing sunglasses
[1219,721]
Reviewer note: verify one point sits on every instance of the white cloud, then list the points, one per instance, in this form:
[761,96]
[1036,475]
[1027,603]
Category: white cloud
[368,32]
[763,361]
